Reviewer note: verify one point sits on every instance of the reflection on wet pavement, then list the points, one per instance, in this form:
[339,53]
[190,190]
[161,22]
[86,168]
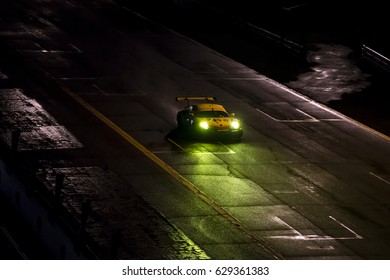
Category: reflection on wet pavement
[333,74]
[143,232]
[115,209]
[38,129]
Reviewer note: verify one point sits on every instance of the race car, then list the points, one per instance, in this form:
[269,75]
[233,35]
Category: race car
[208,119]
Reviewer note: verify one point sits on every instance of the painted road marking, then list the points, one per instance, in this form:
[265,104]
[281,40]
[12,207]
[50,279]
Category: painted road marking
[286,192]
[323,107]
[306,114]
[311,119]
[99,89]
[326,248]
[13,242]
[259,240]
[162,164]
[357,236]
[314,236]
[76,48]
[44,50]
[380,178]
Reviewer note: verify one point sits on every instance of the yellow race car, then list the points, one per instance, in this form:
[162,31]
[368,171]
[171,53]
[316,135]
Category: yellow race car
[208,119]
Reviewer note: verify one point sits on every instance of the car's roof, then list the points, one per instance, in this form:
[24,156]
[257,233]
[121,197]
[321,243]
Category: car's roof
[210,107]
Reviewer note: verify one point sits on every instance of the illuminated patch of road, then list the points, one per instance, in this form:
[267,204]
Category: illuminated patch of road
[38,129]
[298,235]
[201,148]
[305,117]
[103,188]
[220,210]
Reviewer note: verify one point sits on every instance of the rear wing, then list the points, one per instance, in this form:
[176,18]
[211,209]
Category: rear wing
[196,98]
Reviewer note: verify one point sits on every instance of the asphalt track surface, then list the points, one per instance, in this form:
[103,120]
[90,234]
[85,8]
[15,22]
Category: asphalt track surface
[333,32]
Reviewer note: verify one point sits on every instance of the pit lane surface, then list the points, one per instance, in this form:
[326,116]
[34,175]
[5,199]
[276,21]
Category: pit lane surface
[305,182]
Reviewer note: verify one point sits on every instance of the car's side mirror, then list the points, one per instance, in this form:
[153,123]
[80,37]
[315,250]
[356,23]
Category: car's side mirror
[232,115]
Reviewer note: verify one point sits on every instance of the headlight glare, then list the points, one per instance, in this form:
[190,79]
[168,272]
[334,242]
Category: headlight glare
[204,125]
[235,124]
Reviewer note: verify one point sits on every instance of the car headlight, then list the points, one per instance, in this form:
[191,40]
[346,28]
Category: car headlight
[204,125]
[235,124]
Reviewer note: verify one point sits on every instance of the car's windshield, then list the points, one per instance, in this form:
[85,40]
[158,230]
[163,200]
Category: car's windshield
[212,114]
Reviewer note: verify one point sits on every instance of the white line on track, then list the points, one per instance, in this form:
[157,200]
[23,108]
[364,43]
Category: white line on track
[380,178]
[314,236]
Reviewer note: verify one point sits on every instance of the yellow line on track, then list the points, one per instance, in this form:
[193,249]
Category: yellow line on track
[261,242]
[170,171]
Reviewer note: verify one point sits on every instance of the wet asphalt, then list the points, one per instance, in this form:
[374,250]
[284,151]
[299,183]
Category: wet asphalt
[330,67]
[357,90]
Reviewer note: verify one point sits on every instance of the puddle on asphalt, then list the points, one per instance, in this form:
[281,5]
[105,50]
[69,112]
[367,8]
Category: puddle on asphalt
[333,74]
